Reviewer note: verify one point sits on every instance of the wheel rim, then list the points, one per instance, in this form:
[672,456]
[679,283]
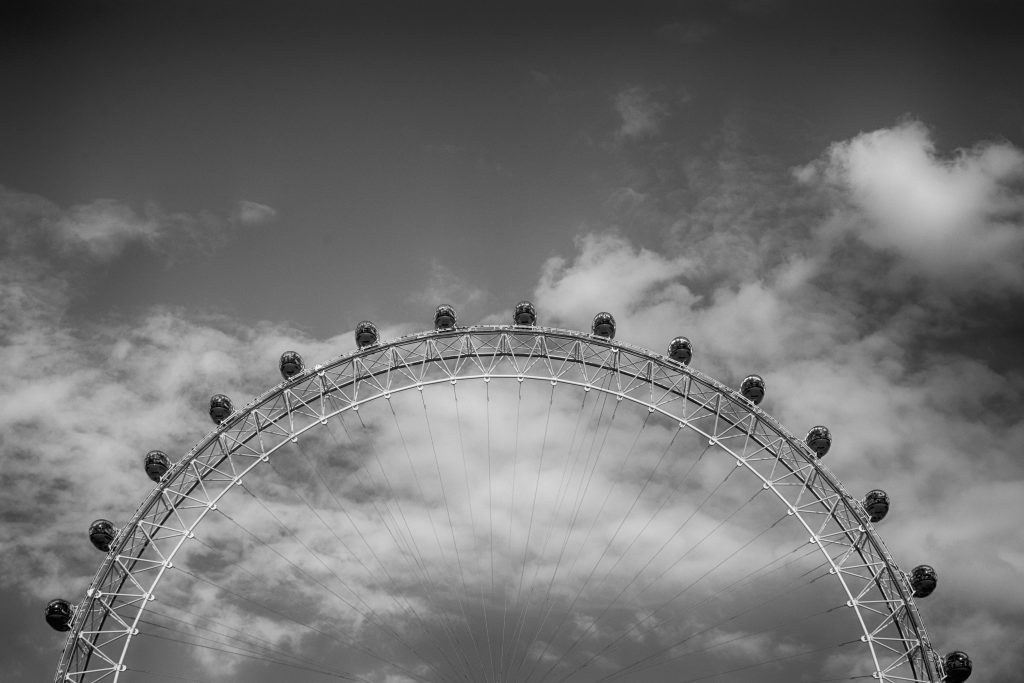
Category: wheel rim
[878,593]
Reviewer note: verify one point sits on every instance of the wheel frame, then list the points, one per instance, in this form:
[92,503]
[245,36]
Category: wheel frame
[836,522]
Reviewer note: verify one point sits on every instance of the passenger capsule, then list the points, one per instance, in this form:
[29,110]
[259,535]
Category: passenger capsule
[157,464]
[876,502]
[366,334]
[819,439]
[444,317]
[681,350]
[102,533]
[220,408]
[958,667]
[604,325]
[291,364]
[524,314]
[59,614]
[752,389]
[923,580]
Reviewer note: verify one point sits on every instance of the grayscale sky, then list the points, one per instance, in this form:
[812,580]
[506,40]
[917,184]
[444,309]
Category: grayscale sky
[828,194]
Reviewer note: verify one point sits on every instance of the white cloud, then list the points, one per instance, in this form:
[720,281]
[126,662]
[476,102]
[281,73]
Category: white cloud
[957,220]
[254,214]
[609,274]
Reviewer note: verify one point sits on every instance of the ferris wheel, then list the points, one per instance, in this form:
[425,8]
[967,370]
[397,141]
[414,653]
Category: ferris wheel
[499,504]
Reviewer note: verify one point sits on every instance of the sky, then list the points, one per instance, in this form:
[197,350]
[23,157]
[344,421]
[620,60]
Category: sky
[828,194]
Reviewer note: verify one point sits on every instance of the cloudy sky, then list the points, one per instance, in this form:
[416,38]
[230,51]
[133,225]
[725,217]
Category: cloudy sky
[828,194]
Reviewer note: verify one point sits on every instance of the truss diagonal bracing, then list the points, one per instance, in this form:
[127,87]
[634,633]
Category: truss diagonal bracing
[836,523]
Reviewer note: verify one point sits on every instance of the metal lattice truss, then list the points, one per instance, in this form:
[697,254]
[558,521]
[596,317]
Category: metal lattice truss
[106,621]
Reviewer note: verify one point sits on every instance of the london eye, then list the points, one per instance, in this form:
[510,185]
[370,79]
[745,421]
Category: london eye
[499,504]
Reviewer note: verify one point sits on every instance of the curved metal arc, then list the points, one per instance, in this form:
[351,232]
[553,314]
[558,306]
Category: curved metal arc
[429,339]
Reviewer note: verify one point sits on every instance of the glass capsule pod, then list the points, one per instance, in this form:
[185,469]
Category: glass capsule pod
[444,317]
[819,439]
[957,666]
[604,325]
[220,408]
[291,364]
[101,534]
[876,503]
[366,334]
[681,350]
[524,314]
[923,580]
[752,389]
[157,463]
[58,614]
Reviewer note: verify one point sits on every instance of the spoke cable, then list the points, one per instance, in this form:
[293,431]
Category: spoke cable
[449,627]
[608,545]
[451,528]
[299,667]
[350,642]
[472,522]
[521,621]
[395,592]
[379,623]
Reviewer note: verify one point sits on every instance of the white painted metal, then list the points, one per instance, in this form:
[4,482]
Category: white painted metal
[128,579]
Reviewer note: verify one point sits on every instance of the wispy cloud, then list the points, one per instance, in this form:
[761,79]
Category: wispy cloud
[641,114]
[100,230]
